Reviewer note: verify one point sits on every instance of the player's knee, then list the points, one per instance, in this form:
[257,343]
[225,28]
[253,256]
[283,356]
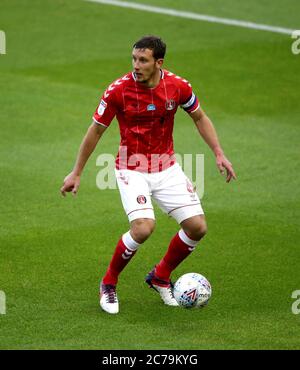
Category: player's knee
[141,229]
[200,231]
[196,230]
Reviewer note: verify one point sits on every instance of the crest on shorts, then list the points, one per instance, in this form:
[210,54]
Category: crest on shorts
[190,187]
[141,199]
[170,104]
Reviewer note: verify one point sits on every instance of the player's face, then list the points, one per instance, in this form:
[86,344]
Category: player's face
[145,65]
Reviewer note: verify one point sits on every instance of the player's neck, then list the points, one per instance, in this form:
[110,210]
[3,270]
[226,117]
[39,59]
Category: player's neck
[153,81]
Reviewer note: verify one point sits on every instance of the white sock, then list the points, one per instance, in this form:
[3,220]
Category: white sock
[130,242]
[182,235]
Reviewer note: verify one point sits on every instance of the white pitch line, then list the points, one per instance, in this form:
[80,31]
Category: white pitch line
[196,16]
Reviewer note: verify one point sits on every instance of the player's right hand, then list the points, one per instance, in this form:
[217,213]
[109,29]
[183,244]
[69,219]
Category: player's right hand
[71,184]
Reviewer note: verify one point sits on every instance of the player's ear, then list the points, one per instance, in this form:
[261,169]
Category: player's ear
[159,62]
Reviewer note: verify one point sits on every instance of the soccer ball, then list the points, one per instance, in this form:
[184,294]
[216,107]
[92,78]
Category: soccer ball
[192,290]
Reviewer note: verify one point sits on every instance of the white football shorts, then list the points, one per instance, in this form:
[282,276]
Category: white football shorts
[171,189]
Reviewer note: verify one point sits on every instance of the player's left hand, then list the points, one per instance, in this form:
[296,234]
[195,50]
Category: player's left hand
[224,164]
[71,184]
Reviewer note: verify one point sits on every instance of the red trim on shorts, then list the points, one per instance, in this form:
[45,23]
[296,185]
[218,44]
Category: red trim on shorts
[140,209]
[188,205]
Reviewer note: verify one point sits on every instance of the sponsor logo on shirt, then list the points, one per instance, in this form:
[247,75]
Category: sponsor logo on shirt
[151,107]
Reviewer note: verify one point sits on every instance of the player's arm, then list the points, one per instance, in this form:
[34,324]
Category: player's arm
[209,134]
[89,142]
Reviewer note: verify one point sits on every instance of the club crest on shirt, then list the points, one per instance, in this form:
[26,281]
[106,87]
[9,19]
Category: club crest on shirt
[141,199]
[151,107]
[170,104]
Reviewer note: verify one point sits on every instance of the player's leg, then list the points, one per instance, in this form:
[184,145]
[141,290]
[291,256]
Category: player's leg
[136,200]
[127,246]
[177,198]
[195,227]
[182,245]
[141,229]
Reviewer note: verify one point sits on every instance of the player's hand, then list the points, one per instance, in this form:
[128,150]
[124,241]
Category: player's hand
[224,164]
[71,184]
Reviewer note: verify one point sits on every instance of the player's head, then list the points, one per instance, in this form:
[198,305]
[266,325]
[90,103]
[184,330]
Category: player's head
[147,57]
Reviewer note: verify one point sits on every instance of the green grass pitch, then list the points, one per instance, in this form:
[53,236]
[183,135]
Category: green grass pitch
[60,56]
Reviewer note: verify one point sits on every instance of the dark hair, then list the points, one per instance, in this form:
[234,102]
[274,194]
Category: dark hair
[153,43]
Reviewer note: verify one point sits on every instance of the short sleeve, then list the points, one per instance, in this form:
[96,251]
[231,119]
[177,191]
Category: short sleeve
[106,109]
[188,100]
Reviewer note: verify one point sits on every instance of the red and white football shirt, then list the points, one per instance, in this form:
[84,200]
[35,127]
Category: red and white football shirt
[146,119]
